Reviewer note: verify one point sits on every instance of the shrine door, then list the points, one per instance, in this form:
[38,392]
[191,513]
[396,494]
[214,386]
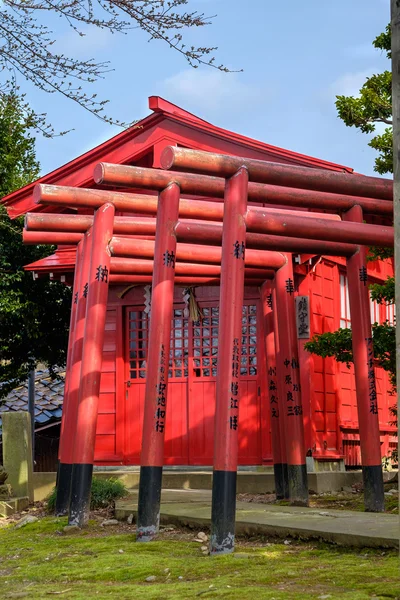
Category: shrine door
[189,434]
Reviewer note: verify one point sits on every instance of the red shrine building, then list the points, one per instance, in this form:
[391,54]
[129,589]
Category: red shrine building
[328,387]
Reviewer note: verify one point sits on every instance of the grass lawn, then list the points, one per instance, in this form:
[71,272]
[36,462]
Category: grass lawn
[39,561]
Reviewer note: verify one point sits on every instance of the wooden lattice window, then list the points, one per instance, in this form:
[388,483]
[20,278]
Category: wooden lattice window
[138,344]
[205,343]
[178,360]
[138,340]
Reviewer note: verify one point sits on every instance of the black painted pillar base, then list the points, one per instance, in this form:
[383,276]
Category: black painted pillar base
[63,485]
[279,478]
[374,496]
[81,484]
[223,512]
[148,519]
[285,482]
[298,485]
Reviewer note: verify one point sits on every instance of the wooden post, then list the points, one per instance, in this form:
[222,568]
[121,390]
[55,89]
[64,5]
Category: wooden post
[395,26]
[272,386]
[72,377]
[228,370]
[289,363]
[152,457]
[363,355]
[281,403]
[92,358]
[31,409]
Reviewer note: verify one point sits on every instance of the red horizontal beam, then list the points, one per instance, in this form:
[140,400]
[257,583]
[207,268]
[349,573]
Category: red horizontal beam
[138,266]
[182,281]
[139,203]
[81,223]
[223,165]
[51,237]
[128,247]
[204,185]
[194,232]
[258,220]
[211,233]
[138,248]
[319,229]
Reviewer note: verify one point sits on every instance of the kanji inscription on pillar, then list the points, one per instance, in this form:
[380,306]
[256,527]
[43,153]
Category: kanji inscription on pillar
[102,274]
[273,393]
[239,249]
[302,304]
[234,398]
[292,387]
[161,391]
[169,259]
[373,398]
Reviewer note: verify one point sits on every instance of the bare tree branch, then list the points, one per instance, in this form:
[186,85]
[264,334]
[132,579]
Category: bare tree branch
[26,44]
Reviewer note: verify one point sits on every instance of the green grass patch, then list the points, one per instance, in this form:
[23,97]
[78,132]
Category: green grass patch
[104,492]
[38,561]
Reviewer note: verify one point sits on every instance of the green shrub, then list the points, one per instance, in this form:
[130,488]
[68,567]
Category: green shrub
[103,494]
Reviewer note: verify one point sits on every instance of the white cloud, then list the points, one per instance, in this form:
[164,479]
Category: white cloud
[350,83]
[210,91]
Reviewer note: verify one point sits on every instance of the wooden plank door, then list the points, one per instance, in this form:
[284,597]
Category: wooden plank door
[136,329]
[202,386]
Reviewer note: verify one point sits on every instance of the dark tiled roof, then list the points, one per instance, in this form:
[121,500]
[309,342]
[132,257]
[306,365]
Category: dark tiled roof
[49,394]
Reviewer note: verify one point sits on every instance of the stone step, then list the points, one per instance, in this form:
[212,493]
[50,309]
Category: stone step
[251,482]
[192,508]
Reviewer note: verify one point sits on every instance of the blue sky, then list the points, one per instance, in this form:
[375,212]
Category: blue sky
[295,56]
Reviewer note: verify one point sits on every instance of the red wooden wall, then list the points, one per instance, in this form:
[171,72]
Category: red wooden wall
[330,409]
[334,420]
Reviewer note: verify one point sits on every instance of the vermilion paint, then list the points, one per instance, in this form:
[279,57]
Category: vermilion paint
[275,408]
[277,173]
[71,341]
[160,327]
[258,220]
[203,185]
[290,380]
[364,368]
[228,391]
[155,406]
[64,471]
[187,231]
[92,358]
[122,246]
[74,379]
[94,335]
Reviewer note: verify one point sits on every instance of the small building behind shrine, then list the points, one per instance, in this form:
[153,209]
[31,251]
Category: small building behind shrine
[328,387]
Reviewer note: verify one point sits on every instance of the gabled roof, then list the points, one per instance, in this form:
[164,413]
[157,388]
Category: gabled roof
[168,124]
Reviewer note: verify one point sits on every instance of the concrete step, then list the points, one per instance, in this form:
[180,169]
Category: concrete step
[252,482]
[192,508]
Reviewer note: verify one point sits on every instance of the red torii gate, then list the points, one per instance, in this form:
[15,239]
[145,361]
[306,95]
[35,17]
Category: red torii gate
[239,224]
